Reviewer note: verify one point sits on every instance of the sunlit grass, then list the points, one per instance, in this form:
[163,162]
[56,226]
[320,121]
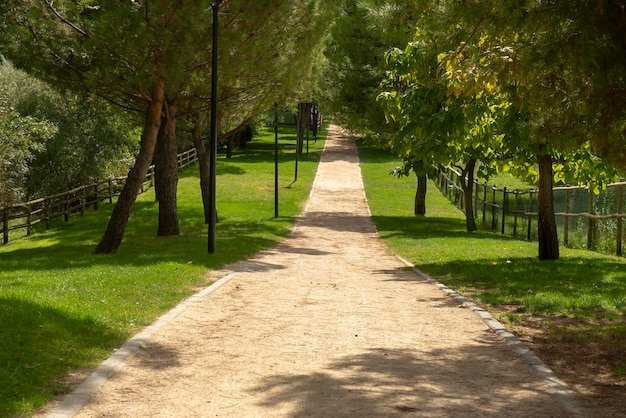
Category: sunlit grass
[497,271]
[63,309]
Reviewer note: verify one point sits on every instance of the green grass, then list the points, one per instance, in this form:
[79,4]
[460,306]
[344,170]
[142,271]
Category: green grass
[63,310]
[497,271]
[509,181]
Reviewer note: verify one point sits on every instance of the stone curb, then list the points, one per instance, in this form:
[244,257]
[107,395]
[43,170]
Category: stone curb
[563,393]
[74,401]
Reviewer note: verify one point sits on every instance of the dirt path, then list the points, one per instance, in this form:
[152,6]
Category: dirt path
[327,324]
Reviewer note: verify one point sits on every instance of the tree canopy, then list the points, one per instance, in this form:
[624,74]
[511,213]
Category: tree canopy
[155,58]
[542,74]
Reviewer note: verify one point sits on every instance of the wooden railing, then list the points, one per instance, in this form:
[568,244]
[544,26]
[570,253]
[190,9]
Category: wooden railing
[584,219]
[24,216]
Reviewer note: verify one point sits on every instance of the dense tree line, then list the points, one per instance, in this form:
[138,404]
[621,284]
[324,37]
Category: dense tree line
[154,59]
[531,87]
[52,142]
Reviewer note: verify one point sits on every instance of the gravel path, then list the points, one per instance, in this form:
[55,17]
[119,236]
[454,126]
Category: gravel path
[327,324]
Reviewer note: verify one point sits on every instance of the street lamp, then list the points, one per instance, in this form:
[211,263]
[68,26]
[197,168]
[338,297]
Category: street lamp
[213,141]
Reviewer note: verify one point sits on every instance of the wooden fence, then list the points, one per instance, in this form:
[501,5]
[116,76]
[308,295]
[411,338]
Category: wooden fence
[584,219]
[24,216]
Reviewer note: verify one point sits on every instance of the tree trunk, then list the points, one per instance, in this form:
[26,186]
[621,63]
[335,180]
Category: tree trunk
[204,163]
[166,173]
[112,238]
[548,238]
[302,122]
[420,194]
[467,183]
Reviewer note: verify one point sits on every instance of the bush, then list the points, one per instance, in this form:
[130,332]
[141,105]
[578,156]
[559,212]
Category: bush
[66,140]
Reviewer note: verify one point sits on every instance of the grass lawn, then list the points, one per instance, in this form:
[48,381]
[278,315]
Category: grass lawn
[63,310]
[580,298]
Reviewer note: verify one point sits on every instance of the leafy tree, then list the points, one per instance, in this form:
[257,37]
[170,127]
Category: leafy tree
[540,60]
[20,138]
[360,36]
[153,58]
[437,124]
[86,141]
[557,62]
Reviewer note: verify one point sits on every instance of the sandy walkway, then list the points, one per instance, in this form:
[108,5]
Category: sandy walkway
[328,324]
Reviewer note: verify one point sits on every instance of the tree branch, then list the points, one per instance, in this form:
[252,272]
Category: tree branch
[50,5]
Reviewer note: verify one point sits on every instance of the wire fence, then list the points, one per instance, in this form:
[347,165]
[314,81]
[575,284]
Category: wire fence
[20,219]
[584,219]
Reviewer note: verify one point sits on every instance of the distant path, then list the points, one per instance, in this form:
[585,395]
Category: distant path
[327,324]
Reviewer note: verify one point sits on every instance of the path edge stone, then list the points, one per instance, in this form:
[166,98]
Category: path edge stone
[556,386]
[75,400]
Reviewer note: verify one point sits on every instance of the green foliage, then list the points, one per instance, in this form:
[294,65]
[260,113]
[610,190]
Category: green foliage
[361,34]
[497,271]
[20,138]
[63,310]
[73,139]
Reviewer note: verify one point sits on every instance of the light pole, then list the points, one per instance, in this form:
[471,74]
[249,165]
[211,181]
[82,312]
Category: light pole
[213,141]
[275,160]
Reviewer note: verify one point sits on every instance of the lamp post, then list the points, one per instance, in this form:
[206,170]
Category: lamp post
[213,140]
[275,160]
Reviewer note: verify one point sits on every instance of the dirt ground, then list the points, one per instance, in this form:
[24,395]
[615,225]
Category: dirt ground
[585,366]
[327,324]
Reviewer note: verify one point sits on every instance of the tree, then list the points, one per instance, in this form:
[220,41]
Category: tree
[152,58]
[20,138]
[557,63]
[437,125]
[88,139]
[360,36]
[537,58]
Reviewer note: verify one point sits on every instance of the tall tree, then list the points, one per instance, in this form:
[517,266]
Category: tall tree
[360,36]
[438,126]
[539,58]
[145,55]
[557,63]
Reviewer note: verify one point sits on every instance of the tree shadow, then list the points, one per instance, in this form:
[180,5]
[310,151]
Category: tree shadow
[586,285]
[382,382]
[337,221]
[40,346]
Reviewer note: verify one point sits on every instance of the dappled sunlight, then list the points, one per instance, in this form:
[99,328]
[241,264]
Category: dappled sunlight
[392,382]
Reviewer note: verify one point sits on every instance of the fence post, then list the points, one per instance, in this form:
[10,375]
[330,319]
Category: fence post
[66,215]
[530,207]
[46,212]
[110,190]
[5,225]
[96,192]
[619,233]
[591,223]
[83,200]
[28,220]
[505,199]
[566,220]
[475,197]
[484,203]
[493,208]
[515,209]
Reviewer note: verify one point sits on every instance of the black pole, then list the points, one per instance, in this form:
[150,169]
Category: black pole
[308,114]
[213,142]
[298,139]
[275,160]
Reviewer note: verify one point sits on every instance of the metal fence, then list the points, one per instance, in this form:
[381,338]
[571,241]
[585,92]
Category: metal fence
[584,219]
[24,216]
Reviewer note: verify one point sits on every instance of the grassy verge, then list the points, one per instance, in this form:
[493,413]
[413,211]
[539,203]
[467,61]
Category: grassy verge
[63,310]
[580,299]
